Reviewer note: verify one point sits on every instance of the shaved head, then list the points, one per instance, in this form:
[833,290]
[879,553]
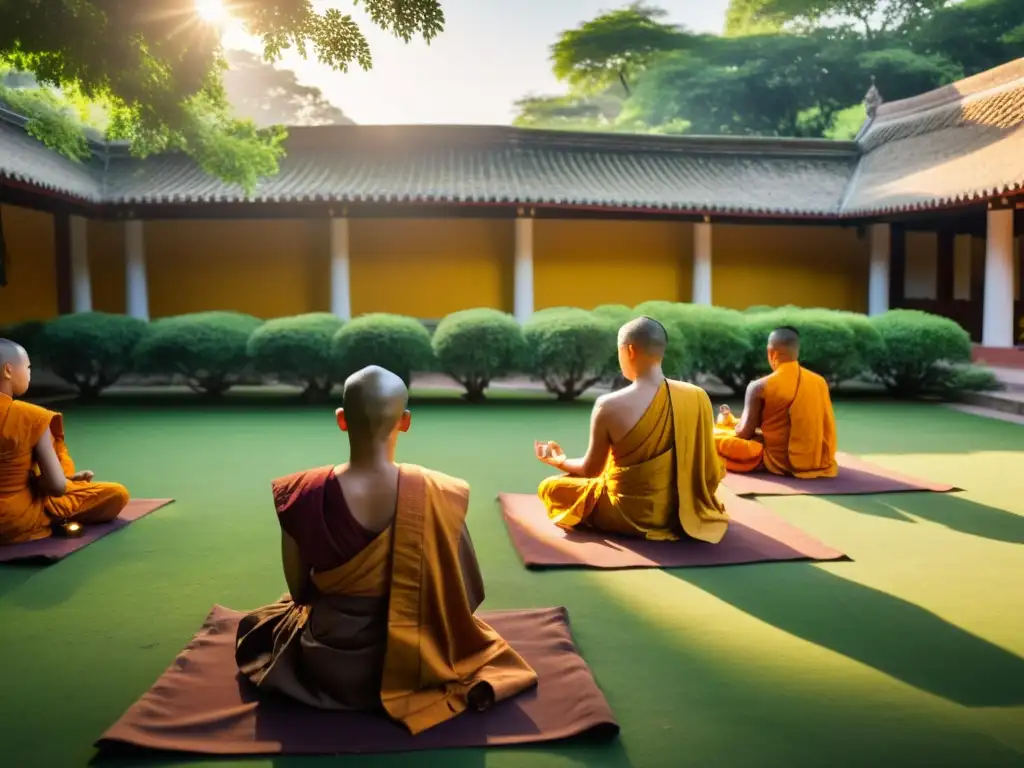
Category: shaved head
[785,341]
[374,400]
[646,335]
[15,373]
[11,352]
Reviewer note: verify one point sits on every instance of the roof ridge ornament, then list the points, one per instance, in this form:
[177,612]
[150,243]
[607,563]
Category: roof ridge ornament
[872,100]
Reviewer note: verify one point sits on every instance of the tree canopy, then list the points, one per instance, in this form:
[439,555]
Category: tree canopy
[156,67]
[782,68]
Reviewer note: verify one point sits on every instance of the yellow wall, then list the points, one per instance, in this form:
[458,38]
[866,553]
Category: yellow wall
[268,268]
[31,292]
[106,265]
[428,268]
[581,263]
[810,266]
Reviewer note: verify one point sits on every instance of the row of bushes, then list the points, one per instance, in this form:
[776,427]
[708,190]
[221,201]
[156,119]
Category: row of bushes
[911,353]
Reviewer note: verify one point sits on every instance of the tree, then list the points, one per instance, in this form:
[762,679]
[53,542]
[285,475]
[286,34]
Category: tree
[268,95]
[871,17]
[743,17]
[613,48]
[978,34]
[157,65]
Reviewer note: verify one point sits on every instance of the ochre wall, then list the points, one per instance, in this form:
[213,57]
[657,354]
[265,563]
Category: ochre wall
[106,265]
[268,268]
[579,263]
[428,268]
[810,266]
[31,291]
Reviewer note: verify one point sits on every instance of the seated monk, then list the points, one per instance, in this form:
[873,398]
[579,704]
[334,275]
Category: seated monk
[792,410]
[651,470]
[384,583]
[40,490]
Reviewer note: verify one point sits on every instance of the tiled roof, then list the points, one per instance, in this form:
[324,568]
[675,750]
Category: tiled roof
[961,143]
[956,144]
[509,165]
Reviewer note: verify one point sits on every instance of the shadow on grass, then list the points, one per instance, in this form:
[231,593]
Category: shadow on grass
[953,512]
[13,575]
[891,635]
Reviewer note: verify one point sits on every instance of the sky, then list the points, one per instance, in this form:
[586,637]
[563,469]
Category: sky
[491,53]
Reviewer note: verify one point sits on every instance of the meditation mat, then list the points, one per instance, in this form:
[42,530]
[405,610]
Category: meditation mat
[202,705]
[58,547]
[856,477]
[755,535]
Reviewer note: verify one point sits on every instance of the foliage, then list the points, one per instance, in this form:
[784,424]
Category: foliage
[476,346]
[617,314]
[90,350]
[977,34]
[50,118]
[919,352]
[269,95]
[297,349]
[959,379]
[399,344]
[612,48]
[209,349]
[872,17]
[571,350]
[158,71]
[25,333]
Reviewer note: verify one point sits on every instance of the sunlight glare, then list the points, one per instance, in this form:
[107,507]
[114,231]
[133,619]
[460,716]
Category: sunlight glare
[212,11]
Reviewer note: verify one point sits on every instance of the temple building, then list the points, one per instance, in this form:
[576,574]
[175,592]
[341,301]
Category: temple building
[924,210]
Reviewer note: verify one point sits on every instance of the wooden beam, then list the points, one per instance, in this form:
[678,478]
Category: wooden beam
[62,254]
[897,266]
[945,265]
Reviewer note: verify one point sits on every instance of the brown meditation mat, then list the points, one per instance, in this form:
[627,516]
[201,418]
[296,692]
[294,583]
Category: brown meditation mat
[202,705]
[58,547]
[855,477]
[756,535]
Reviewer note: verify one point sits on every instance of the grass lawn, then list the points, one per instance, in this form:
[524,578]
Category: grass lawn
[909,656]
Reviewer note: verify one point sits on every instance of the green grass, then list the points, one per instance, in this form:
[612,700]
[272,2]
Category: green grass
[909,656]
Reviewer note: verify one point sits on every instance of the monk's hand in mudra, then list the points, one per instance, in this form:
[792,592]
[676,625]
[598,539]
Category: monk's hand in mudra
[550,453]
[725,410]
[85,476]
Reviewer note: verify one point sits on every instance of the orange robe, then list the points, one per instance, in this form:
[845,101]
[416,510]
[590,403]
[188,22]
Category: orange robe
[798,429]
[25,514]
[393,628]
[660,480]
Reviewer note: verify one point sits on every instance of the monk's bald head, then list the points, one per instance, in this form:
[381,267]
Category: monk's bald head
[374,402]
[646,335]
[15,374]
[11,353]
[785,343]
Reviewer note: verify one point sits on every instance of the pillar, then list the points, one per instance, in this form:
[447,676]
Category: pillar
[136,287]
[81,283]
[523,270]
[702,262]
[341,290]
[997,326]
[878,269]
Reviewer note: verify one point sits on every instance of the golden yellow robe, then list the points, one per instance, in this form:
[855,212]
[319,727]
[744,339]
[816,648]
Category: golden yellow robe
[798,429]
[660,480]
[25,514]
[392,628]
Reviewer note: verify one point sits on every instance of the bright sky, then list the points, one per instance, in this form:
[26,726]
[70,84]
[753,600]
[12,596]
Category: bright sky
[491,53]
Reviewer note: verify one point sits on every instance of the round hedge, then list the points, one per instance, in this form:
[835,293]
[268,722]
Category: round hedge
[617,314]
[90,350]
[571,350]
[395,342]
[298,350]
[919,351]
[25,333]
[476,346]
[210,349]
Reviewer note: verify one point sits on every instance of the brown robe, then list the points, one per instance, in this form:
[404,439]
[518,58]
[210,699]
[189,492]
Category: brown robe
[392,628]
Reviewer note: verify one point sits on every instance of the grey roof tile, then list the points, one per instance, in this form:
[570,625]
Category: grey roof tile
[29,161]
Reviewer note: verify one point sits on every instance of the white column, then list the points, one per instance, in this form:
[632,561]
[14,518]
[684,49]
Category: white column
[878,269]
[997,330]
[523,280]
[81,284]
[136,288]
[702,262]
[341,290]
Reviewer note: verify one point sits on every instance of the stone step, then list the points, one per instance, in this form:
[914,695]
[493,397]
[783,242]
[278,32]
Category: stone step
[1006,402]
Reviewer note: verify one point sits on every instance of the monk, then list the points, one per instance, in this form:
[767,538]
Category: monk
[651,470]
[41,492]
[788,426]
[384,583]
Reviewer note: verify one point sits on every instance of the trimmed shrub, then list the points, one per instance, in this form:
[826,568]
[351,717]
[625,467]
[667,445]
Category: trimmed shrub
[90,350]
[571,350]
[397,343]
[209,349]
[297,350]
[26,333]
[476,346]
[867,342]
[920,353]
[617,314]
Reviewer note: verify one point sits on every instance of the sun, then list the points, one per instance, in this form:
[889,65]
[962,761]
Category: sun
[212,11]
